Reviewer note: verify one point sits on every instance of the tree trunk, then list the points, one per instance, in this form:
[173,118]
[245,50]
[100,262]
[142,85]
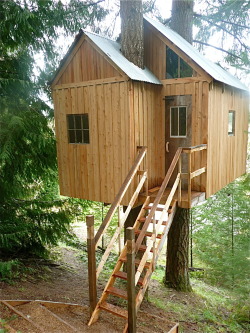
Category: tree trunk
[178,238]
[177,252]
[182,18]
[132,31]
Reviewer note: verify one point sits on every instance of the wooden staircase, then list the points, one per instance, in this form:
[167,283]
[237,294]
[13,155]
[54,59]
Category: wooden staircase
[147,256]
[125,289]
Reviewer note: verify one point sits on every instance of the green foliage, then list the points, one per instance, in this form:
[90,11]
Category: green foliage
[32,215]
[7,268]
[221,236]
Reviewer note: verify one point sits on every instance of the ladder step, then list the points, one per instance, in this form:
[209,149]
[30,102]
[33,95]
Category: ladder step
[117,292]
[159,209]
[143,219]
[123,276]
[137,262]
[144,248]
[116,310]
[149,234]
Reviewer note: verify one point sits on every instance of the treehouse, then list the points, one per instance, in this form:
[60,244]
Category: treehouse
[106,107]
[172,132]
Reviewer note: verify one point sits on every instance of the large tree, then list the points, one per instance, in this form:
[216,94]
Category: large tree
[30,217]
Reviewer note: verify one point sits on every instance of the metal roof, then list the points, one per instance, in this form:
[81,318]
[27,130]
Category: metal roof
[112,50]
[211,68]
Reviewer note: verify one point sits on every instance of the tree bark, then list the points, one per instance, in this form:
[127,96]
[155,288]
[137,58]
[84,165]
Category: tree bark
[182,18]
[132,31]
[176,275]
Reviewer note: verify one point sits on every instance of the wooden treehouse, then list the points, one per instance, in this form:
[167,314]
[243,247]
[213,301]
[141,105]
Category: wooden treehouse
[173,133]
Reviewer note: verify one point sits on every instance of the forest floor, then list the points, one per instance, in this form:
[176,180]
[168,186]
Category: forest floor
[64,279]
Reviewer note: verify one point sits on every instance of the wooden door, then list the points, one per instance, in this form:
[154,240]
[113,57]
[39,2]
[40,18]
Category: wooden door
[178,128]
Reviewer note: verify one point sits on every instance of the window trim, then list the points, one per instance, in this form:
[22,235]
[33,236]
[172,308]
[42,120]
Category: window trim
[177,136]
[75,129]
[232,132]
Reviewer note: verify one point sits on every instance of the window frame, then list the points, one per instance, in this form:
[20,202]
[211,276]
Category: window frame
[83,129]
[231,124]
[170,125]
[181,63]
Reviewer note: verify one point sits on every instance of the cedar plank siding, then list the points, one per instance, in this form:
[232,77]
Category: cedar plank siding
[226,154]
[87,64]
[94,171]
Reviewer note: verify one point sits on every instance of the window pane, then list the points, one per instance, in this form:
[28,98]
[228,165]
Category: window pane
[71,136]
[78,136]
[182,121]
[174,122]
[78,123]
[231,122]
[185,69]
[85,121]
[85,136]
[172,64]
[70,121]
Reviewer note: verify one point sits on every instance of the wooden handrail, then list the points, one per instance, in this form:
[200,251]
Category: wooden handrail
[120,195]
[194,148]
[158,198]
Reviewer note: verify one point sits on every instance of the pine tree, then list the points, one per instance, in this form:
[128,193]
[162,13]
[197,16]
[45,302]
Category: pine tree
[32,214]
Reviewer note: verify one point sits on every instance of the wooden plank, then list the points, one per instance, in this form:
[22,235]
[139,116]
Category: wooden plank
[131,280]
[198,172]
[118,311]
[117,292]
[91,262]
[114,79]
[20,314]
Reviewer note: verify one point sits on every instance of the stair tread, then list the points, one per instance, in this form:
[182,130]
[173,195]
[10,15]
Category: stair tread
[117,292]
[144,248]
[143,219]
[159,209]
[149,234]
[137,262]
[118,311]
[123,276]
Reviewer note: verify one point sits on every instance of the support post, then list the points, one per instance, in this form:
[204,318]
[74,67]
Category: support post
[91,262]
[131,280]
[189,180]
[179,186]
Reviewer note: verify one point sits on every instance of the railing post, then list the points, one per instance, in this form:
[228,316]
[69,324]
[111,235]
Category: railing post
[120,216]
[91,262]
[179,186]
[189,179]
[131,280]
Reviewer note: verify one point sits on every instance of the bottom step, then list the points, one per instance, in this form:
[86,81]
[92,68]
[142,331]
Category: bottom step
[114,310]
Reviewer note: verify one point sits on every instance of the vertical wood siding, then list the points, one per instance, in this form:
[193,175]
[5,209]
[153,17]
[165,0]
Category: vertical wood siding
[226,154]
[94,171]
[87,64]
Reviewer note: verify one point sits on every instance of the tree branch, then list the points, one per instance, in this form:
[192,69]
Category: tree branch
[227,22]
[216,47]
[224,29]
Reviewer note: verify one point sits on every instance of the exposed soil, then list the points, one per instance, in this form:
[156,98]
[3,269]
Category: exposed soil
[66,281]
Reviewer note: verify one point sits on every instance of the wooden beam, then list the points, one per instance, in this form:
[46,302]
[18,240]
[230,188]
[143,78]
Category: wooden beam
[91,263]
[194,148]
[113,79]
[198,172]
[131,280]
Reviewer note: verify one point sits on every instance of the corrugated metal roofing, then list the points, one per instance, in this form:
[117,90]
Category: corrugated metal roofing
[211,68]
[112,50]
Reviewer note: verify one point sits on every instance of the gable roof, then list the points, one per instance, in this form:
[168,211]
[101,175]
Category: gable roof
[211,68]
[112,50]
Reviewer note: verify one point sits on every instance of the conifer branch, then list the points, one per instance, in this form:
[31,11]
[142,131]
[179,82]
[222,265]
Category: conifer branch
[216,47]
[223,21]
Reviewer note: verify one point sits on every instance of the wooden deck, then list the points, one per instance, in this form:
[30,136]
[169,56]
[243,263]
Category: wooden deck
[197,197]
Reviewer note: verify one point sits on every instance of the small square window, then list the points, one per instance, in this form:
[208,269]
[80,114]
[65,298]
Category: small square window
[231,122]
[78,128]
[178,121]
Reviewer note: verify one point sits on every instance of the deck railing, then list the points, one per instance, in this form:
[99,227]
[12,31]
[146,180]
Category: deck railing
[93,241]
